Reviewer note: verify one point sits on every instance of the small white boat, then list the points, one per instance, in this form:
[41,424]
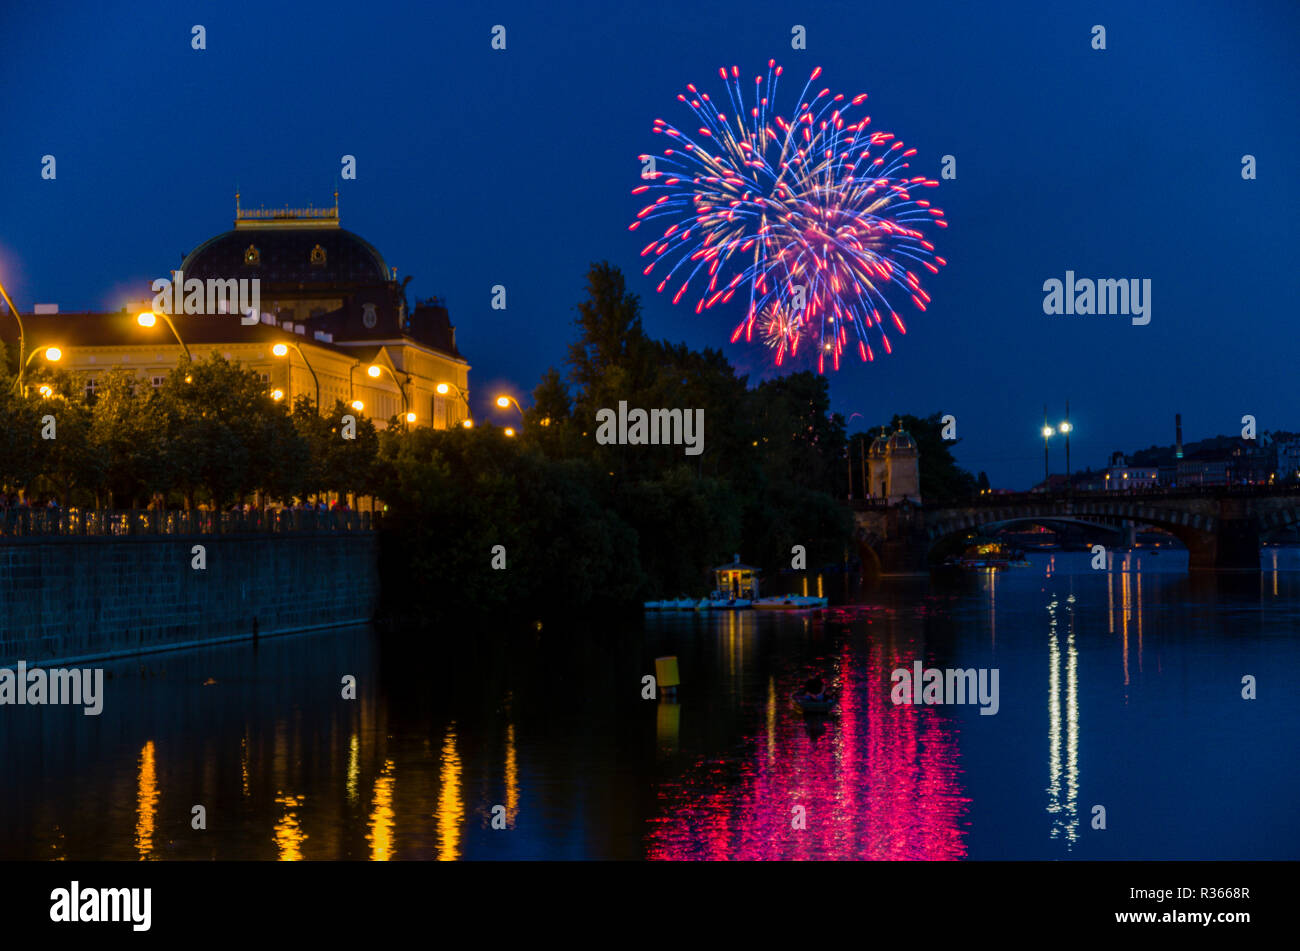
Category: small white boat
[792,602]
[723,604]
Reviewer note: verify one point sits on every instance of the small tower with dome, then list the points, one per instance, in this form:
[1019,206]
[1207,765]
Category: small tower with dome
[893,468]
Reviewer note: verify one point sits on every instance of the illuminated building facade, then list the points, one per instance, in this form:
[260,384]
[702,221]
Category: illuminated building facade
[328,304]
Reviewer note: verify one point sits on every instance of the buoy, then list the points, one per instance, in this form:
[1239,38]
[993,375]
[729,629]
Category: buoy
[666,674]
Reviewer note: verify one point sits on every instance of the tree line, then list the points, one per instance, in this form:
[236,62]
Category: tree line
[210,434]
[582,525]
[479,522]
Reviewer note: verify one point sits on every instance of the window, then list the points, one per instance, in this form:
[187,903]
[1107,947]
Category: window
[92,387]
[318,256]
[156,382]
[252,255]
[266,377]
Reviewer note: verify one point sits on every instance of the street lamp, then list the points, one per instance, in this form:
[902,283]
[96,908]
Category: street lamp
[358,405]
[467,423]
[22,339]
[375,370]
[282,349]
[509,431]
[442,389]
[277,395]
[1047,434]
[52,354]
[148,319]
[1065,428]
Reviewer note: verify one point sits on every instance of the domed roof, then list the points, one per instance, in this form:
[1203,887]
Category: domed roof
[288,255]
[901,441]
[877,446]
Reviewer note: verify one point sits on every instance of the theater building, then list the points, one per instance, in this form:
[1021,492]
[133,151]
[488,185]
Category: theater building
[331,315]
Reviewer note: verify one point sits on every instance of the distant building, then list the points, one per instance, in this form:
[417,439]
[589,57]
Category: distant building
[893,468]
[1288,459]
[1207,467]
[1120,476]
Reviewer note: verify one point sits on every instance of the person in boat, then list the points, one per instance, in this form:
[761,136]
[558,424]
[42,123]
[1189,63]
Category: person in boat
[814,689]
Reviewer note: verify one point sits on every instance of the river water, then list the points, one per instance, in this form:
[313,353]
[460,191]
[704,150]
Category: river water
[1120,689]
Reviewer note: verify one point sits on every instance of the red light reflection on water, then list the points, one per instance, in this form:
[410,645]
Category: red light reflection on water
[877,782]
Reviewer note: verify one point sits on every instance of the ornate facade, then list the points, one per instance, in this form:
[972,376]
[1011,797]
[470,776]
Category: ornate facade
[329,305]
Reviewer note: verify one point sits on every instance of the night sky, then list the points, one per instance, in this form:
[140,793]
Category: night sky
[479,167]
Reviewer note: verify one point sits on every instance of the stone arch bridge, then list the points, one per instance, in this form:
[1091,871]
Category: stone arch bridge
[1221,527]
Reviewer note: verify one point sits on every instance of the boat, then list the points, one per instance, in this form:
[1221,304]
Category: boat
[717,602]
[791,602]
[805,704]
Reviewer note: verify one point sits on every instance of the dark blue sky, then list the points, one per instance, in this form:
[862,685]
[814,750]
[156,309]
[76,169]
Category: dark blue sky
[478,167]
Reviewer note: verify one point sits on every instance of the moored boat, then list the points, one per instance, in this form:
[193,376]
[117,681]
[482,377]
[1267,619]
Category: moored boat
[672,604]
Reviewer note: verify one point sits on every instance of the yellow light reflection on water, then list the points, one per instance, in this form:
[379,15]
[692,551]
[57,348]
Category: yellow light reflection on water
[451,809]
[243,761]
[1125,608]
[354,766]
[382,816]
[289,836]
[512,777]
[146,798]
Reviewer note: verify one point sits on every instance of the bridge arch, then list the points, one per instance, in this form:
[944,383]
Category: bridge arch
[1193,529]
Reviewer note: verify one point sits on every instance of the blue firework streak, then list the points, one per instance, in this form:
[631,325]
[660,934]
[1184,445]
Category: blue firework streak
[813,218]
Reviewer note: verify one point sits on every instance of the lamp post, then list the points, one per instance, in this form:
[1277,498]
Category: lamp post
[149,318]
[52,354]
[442,389]
[375,370]
[1047,434]
[22,339]
[1065,428]
[505,401]
[282,349]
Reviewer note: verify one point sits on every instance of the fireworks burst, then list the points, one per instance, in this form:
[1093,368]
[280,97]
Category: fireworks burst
[781,329]
[811,220]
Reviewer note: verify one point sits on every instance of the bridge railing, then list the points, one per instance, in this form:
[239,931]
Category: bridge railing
[22,522]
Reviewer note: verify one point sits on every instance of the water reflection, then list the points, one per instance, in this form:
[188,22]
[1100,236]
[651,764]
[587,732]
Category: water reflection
[1063,726]
[382,816]
[146,802]
[289,836]
[878,781]
[451,810]
[413,767]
